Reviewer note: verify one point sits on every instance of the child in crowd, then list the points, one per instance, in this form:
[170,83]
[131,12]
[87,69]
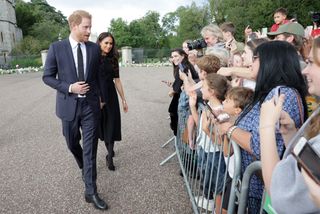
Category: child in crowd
[237,60]
[228,31]
[280,18]
[204,65]
[210,162]
[236,99]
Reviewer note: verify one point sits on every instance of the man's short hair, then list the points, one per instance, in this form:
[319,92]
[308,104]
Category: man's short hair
[76,17]
[281,10]
[228,27]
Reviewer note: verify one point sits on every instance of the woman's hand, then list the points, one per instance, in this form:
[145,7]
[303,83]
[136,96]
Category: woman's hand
[270,112]
[125,106]
[171,93]
[183,76]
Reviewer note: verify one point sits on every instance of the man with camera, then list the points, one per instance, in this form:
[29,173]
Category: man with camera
[211,37]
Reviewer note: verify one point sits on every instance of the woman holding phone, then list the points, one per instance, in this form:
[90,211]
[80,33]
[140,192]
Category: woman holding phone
[179,59]
[284,175]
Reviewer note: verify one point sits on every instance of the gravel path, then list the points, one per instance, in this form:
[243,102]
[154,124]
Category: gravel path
[39,174]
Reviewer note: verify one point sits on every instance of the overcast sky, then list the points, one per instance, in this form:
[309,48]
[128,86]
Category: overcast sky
[104,10]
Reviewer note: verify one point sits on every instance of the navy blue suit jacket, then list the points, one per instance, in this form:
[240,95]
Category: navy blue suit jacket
[60,72]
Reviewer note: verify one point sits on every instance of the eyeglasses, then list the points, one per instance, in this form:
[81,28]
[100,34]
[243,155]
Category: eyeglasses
[254,58]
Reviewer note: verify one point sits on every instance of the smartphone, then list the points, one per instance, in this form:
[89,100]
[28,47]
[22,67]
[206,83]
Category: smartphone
[264,32]
[222,117]
[276,99]
[181,68]
[307,158]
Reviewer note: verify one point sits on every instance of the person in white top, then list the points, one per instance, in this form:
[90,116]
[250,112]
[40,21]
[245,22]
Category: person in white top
[236,100]
[210,158]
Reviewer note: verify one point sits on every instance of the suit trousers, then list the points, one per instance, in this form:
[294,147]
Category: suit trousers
[85,155]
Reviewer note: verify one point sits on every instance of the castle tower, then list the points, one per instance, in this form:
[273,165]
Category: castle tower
[10,34]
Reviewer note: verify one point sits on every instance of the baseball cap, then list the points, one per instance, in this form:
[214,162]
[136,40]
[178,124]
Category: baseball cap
[292,28]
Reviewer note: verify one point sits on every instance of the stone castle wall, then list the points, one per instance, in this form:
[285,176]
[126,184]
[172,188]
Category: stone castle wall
[10,34]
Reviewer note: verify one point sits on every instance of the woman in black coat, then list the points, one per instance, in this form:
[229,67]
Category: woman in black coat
[110,130]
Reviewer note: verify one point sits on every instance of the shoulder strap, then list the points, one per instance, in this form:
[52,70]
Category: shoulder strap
[301,112]
[300,133]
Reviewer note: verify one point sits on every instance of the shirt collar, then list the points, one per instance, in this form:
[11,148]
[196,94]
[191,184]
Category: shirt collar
[74,43]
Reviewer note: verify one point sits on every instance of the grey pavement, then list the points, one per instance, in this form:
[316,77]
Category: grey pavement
[39,175]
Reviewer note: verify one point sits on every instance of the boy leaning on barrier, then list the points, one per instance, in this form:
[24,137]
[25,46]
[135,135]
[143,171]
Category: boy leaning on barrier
[236,99]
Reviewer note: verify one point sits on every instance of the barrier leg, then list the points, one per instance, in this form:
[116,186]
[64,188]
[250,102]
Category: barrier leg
[168,158]
[166,143]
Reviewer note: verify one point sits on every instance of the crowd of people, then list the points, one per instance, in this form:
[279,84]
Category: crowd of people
[255,93]
[259,94]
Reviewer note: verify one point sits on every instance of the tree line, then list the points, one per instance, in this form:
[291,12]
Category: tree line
[42,24]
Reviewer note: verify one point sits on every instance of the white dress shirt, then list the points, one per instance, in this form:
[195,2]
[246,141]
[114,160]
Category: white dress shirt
[74,47]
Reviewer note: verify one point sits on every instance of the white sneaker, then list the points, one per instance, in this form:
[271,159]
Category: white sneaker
[204,203]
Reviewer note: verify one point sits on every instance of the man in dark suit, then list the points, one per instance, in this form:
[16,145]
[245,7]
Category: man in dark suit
[71,68]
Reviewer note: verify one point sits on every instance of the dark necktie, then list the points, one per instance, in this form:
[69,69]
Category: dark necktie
[80,64]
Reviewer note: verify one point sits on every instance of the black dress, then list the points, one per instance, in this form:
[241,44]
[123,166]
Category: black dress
[110,125]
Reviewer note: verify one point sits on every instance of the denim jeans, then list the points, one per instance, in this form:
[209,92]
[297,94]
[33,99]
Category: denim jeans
[212,168]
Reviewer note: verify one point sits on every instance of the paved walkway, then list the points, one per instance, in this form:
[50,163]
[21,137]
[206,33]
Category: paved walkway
[39,175]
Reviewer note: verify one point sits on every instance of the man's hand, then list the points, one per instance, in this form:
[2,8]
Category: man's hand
[80,87]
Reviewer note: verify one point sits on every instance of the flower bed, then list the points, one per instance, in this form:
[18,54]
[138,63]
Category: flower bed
[20,70]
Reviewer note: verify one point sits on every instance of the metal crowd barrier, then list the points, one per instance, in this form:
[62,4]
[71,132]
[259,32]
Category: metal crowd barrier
[200,178]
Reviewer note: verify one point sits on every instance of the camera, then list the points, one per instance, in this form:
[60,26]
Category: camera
[315,17]
[197,44]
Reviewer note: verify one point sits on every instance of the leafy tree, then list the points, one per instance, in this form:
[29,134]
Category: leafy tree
[185,23]
[41,24]
[120,30]
[28,46]
[259,14]
[25,16]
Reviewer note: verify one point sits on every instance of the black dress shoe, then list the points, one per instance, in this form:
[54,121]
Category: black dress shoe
[109,161]
[97,202]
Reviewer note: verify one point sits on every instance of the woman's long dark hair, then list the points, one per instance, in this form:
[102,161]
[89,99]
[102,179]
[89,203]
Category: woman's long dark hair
[185,62]
[113,55]
[279,66]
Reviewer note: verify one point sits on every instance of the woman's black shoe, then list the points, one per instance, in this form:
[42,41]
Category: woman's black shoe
[109,161]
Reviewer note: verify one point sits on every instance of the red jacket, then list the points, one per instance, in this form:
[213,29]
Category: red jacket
[275,27]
